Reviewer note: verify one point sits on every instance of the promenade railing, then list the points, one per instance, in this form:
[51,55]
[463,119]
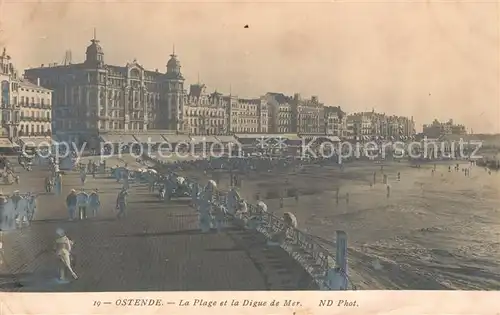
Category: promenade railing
[328,270]
[305,248]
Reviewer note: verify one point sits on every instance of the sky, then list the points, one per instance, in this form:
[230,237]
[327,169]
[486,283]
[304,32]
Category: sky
[424,59]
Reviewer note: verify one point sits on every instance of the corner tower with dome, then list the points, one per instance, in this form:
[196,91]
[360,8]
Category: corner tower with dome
[93,98]
[172,96]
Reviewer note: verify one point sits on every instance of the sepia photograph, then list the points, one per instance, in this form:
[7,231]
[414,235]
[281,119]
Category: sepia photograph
[249,146]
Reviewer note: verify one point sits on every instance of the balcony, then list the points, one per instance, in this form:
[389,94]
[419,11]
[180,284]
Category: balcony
[23,133]
[35,119]
[10,106]
[35,105]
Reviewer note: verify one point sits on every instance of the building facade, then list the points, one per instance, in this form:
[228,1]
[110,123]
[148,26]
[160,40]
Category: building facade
[280,113]
[335,122]
[35,110]
[359,126]
[247,115]
[438,129]
[204,114]
[26,106]
[308,116]
[370,125]
[92,97]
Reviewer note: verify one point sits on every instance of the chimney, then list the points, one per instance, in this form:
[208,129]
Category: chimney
[38,81]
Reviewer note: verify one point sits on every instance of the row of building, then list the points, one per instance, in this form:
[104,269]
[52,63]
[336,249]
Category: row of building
[81,101]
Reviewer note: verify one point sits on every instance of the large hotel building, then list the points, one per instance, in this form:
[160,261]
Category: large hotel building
[93,98]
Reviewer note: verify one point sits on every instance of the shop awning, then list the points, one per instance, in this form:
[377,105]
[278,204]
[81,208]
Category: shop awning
[333,138]
[177,138]
[118,139]
[36,142]
[254,136]
[291,137]
[6,143]
[204,139]
[150,138]
[228,139]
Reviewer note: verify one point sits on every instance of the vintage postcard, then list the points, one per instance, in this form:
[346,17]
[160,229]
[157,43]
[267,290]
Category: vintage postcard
[249,157]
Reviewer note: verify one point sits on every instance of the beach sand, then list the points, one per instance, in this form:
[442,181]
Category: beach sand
[433,232]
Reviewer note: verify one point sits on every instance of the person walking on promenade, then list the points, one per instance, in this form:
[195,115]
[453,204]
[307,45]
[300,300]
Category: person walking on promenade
[71,204]
[48,184]
[121,203]
[58,184]
[94,202]
[82,200]
[63,249]
[83,174]
[126,178]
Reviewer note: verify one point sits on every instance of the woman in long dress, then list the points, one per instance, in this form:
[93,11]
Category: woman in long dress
[63,248]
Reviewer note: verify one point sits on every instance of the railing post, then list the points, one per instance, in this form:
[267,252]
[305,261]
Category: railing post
[336,278]
[341,253]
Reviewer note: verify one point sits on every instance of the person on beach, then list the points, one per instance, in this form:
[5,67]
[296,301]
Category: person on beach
[347,198]
[399,176]
[388,191]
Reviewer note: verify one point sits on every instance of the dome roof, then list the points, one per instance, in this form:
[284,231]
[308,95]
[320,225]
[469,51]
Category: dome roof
[94,48]
[173,62]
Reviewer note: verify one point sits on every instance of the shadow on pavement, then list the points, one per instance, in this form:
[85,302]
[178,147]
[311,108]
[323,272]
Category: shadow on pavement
[232,249]
[185,232]
[173,233]
[49,221]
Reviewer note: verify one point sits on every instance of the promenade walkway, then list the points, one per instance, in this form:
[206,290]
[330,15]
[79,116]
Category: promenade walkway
[157,247]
